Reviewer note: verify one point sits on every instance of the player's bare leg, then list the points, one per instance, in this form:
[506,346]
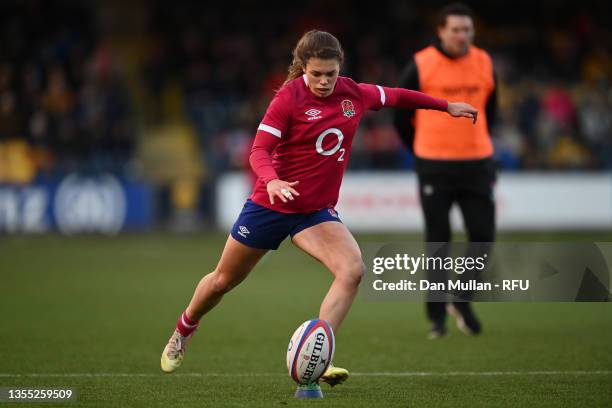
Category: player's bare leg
[332,244]
[237,261]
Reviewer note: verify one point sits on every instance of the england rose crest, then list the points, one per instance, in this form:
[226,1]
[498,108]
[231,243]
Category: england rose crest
[348,109]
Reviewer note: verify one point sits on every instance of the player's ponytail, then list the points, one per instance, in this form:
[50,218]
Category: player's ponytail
[314,44]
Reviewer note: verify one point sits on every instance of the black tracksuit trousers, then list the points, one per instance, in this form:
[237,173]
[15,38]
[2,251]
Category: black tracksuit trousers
[468,184]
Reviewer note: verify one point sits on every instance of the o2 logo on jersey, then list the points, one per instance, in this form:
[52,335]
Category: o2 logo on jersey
[336,148]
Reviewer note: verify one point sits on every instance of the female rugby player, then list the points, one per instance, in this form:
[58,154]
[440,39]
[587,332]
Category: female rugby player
[300,153]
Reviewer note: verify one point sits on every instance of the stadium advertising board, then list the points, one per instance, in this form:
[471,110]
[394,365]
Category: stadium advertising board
[76,204]
[390,201]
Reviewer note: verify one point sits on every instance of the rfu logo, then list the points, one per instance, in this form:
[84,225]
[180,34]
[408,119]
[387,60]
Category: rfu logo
[243,231]
[314,114]
[348,108]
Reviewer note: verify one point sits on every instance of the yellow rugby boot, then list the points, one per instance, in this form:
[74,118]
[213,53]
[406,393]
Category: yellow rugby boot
[335,375]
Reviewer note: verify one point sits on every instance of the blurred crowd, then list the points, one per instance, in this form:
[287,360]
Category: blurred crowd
[63,107]
[68,103]
[552,60]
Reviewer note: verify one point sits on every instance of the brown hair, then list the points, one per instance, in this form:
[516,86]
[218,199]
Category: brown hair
[314,44]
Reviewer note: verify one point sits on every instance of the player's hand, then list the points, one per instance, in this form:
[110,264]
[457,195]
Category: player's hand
[281,189]
[462,110]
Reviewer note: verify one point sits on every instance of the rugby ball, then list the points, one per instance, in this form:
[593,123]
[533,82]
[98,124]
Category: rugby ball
[310,351]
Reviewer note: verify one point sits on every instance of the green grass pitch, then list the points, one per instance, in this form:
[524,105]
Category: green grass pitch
[94,313]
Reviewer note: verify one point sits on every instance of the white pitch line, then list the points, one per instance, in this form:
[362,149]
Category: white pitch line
[371,374]
[479,373]
[95,375]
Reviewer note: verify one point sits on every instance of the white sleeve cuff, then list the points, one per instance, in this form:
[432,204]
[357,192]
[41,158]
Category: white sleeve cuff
[272,130]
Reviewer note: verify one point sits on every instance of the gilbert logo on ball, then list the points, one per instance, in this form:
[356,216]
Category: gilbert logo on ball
[310,351]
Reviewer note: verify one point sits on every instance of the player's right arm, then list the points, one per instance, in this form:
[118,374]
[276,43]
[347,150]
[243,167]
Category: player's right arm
[270,132]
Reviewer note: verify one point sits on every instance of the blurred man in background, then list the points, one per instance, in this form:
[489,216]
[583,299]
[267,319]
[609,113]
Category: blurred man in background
[454,163]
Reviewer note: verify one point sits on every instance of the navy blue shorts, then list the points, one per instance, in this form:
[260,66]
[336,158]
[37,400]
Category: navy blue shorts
[263,228]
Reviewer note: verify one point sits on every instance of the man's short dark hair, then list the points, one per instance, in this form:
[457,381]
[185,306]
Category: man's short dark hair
[454,9]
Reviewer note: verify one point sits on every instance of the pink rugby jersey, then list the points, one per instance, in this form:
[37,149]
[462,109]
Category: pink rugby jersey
[306,138]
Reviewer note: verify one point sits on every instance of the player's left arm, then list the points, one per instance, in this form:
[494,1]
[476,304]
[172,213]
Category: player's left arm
[377,97]
[492,105]
[403,119]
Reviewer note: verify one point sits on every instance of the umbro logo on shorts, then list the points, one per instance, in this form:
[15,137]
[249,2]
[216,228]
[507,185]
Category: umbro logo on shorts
[243,231]
[313,113]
